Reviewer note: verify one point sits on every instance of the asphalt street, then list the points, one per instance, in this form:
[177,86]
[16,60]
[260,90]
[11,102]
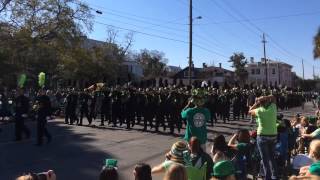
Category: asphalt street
[78,152]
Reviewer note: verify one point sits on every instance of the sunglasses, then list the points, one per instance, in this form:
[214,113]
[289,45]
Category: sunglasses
[39,176]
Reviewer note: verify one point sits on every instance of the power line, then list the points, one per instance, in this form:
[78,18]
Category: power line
[144,27]
[152,24]
[163,37]
[265,18]
[200,37]
[135,31]
[117,12]
[225,30]
[135,19]
[203,40]
[230,14]
[260,30]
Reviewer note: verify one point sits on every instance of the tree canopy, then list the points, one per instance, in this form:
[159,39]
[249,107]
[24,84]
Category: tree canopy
[153,63]
[239,62]
[50,36]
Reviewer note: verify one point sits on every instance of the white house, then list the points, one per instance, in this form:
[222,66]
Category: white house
[279,73]
[134,68]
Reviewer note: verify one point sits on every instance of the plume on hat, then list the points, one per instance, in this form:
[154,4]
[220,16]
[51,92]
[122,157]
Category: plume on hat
[22,80]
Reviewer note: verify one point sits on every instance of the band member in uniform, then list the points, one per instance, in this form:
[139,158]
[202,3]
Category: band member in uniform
[43,111]
[71,106]
[105,107]
[21,107]
[84,107]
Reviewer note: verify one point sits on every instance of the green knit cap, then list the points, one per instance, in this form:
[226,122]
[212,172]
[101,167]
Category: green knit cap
[223,168]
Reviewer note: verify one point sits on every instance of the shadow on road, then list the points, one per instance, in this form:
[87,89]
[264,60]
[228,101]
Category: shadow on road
[69,154]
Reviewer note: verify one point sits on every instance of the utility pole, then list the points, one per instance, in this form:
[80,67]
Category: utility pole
[279,80]
[265,57]
[190,41]
[302,70]
[313,72]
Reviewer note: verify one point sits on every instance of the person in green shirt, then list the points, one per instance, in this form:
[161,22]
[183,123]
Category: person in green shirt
[240,143]
[265,111]
[198,158]
[318,102]
[314,135]
[196,117]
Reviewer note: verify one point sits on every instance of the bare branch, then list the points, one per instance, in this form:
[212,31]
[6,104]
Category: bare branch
[4,4]
[129,41]
[111,35]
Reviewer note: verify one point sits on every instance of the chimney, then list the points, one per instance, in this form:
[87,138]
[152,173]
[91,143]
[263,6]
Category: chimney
[220,66]
[251,60]
[84,37]
[204,65]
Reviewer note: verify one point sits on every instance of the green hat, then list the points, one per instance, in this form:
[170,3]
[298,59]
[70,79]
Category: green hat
[315,169]
[111,163]
[312,119]
[223,168]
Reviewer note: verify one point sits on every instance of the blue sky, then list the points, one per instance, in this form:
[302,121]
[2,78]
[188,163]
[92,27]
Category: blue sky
[226,26]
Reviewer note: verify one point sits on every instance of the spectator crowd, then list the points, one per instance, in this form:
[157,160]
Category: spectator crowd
[278,149]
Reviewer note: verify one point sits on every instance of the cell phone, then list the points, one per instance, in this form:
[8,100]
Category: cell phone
[42,176]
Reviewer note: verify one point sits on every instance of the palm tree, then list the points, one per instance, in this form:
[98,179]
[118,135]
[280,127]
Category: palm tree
[316,50]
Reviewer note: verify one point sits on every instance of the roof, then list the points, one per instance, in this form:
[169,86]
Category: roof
[214,68]
[269,61]
[201,72]
[173,68]
[90,43]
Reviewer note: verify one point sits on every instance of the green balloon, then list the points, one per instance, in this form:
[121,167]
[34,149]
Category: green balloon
[41,79]
[22,80]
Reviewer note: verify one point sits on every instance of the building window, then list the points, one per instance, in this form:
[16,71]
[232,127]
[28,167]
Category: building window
[273,71]
[257,71]
[186,73]
[252,71]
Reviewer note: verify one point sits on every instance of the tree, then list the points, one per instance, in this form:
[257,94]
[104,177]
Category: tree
[3,4]
[153,63]
[316,50]
[239,62]
[37,35]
